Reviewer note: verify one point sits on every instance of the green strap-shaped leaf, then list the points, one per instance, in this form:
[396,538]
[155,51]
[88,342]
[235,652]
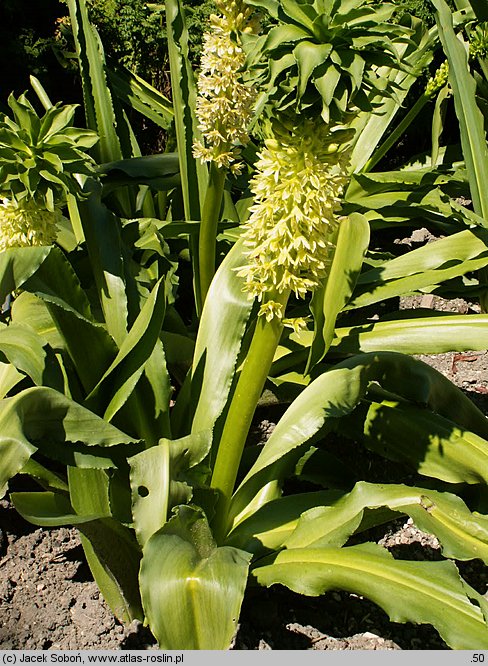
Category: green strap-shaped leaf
[460,248]
[471,122]
[141,96]
[463,534]
[90,347]
[438,122]
[30,310]
[89,491]
[55,277]
[371,126]
[110,548]
[419,592]
[335,394]
[150,479]
[222,326]
[423,334]
[272,524]
[45,477]
[156,390]
[9,377]
[46,417]
[380,283]
[17,265]
[161,172]
[114,559]
[102,232]
[328,301]
[415,187]
[97,97]
[25,350]
[432,444]
[14,455]
[158,478]
[120,379]
[48,509]
[192,590]
[193,173]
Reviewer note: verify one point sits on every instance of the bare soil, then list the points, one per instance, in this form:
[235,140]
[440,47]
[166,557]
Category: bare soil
[49,601]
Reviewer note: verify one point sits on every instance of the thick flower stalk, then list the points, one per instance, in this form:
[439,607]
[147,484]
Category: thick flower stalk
[300,178]
[23,225]
[225,103]
[290,236]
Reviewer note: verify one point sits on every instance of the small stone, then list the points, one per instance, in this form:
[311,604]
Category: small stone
[427,301]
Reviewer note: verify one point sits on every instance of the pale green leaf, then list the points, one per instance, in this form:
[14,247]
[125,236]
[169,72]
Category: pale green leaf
[144,98]
[9,377]
[336,393]
[24,349]
[419,592]
[222,326]
[329,299]
[159,481]
[48,509]
[471,122]
[434,445]
[114,560]
[191,589]
[270,526]
[309,56]
[463,534]
[119,380]
[422,334]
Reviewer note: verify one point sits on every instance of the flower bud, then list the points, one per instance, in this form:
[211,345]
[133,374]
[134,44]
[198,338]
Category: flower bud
[438,81]
[26,224]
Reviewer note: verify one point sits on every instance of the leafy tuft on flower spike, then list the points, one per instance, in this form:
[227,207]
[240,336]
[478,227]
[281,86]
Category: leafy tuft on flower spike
[300,177]
[39,157]
[225,103]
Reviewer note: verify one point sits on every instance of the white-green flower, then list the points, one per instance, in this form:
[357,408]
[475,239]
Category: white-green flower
[26,225]
[298,185]
[225,103]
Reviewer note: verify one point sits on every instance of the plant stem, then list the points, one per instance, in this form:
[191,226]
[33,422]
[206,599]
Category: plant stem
[208,227]
[248,391]
[397,133]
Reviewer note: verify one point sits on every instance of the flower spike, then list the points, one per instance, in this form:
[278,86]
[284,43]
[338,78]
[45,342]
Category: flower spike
[225,103]
[298,185]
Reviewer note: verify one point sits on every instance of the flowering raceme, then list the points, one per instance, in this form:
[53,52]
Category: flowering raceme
[438,81]
[225,103]
[27,224]
[299,181]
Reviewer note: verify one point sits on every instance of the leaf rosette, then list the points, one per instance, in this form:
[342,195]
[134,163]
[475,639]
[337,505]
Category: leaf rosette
[327,55]
[40,155]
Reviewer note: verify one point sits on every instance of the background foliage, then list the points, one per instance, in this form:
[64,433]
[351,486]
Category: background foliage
[132,32]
